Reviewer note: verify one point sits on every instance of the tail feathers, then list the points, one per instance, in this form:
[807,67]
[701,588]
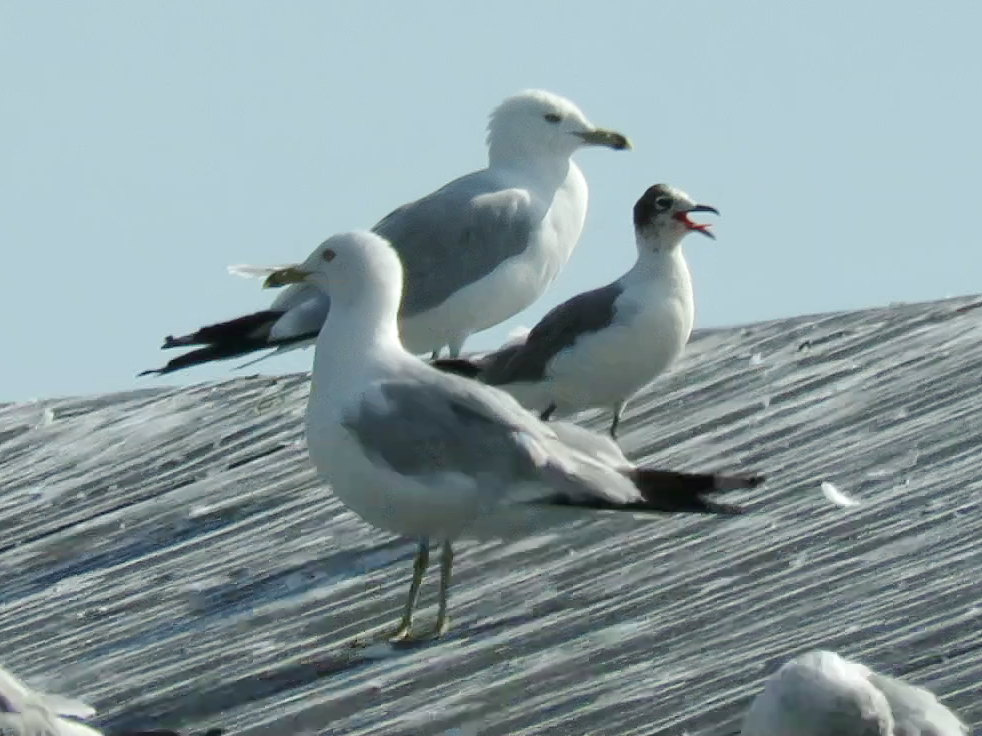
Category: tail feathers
[668,491]
[673,491]
[650,480]
[459,366]
[222,351]
[199,356]
[253,326]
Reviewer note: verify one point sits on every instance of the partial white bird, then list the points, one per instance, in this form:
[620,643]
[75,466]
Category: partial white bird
[27,712]
[822,694]
[435,456]
[601,347]
[475,252]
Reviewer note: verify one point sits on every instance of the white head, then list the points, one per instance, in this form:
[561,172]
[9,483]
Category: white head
[536,123]
[661,217]
[356,269]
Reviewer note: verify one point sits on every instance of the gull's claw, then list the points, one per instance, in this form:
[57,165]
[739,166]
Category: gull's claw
[441,628]
[402,634]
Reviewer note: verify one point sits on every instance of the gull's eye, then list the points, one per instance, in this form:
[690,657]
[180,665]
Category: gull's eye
[663,203]
[328,255]
[552,117]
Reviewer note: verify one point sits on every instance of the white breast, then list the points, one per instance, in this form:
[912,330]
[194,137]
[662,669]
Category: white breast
[652,324]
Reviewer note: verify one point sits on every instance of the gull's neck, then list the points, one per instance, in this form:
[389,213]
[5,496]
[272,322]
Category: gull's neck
[361,334]
[659,260]
[547,169]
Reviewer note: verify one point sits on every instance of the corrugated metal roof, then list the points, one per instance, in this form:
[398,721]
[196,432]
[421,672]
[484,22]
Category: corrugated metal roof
[169,556]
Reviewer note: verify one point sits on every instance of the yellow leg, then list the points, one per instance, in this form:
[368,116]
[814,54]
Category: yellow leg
[615,422]
[446,567]
[420,563]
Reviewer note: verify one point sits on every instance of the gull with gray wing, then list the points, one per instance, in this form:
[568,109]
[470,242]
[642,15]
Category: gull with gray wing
[820,693]
[27,712]
[601,347]
[435,456]
[475,252]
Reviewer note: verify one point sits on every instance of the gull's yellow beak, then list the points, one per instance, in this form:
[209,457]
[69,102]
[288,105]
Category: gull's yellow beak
[609,138]
[285,276]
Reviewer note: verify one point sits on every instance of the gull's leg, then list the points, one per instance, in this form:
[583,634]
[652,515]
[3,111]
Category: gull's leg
[618,411]
[455,347]
[434,355]
[544,416]
[420,563]
[446,566]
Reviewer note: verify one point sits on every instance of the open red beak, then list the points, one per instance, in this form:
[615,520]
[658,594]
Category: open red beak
[699,227]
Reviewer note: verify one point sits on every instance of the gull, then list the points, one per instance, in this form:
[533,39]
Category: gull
[27,712]
[601,347]
[475,252]
[435,456]
[821,693]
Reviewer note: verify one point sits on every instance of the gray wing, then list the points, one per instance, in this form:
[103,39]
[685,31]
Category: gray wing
[562,326]
[427,426]
[456,235]
[916,710]
[420,431]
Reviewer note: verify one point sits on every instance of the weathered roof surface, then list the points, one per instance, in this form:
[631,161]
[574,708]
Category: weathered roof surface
[169,556]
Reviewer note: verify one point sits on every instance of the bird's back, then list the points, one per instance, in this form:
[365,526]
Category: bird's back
[817,696]
[916,711]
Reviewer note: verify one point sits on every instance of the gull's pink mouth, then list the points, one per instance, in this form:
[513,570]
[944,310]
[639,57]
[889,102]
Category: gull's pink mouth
[683,217]
[699,227]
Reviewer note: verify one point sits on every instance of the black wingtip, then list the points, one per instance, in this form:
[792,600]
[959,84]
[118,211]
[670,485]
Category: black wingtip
[224,351]
[739,481]
[248,327]
[458,366]
[206,354]
[722,509]
[674,491]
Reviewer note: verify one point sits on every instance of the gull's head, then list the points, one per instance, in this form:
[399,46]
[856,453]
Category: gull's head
[539,123]
[347,266]
[661,216]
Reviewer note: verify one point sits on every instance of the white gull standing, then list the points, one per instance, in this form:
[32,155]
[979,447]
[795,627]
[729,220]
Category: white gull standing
[475,252]
[435,456]
[822,694]
[601,347]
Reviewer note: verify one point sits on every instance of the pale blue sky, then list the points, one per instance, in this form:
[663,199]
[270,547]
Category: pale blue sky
[144,146]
